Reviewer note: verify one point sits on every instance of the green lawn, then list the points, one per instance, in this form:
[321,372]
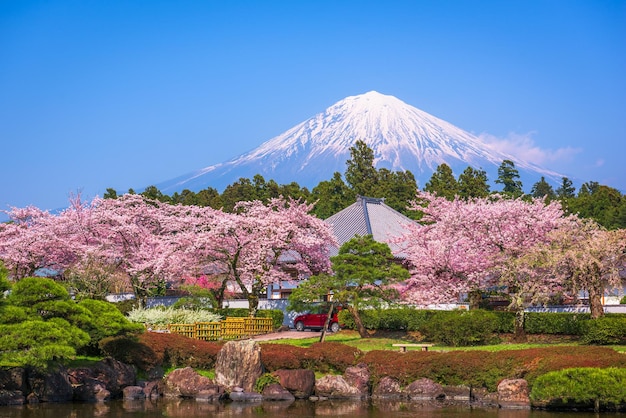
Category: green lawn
[352,338]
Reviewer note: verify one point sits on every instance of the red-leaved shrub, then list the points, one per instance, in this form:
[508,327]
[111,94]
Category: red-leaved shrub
[281,356]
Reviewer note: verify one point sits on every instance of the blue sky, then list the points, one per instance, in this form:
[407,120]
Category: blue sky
[121,94]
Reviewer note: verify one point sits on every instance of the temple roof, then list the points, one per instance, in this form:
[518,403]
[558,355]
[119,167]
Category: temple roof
[369,216]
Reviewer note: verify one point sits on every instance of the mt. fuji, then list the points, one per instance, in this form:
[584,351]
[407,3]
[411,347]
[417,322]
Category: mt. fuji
[401,136]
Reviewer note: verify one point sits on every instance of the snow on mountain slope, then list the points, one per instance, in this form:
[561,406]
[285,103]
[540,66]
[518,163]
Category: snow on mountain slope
[401,136]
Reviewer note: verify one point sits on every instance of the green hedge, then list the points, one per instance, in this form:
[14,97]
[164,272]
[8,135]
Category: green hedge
[605,330]
[583,387]
[611,329]
[460,329]
[565,323]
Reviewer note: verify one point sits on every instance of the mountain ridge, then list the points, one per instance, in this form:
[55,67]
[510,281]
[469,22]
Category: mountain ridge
[402,137]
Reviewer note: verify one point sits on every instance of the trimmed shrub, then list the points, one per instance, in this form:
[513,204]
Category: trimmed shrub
[161,349]
[505,322]
[281,356]
[584,387]
[486,369]
[566,323]
[130,350]
[330,357]
[461,329]
[605,330]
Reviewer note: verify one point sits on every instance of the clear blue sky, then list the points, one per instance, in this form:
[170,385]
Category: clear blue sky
[121,94]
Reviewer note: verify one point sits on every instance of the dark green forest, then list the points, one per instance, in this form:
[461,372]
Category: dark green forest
[604,204]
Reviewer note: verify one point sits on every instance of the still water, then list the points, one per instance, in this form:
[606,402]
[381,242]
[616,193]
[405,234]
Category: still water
[298,409]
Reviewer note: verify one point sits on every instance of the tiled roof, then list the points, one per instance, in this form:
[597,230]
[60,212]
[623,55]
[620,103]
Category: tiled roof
[368,216]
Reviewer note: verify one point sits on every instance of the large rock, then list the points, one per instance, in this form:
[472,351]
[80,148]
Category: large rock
[336,387]
[359,377]
[275,392]
[53,386]
[153,389]
[513,394]
[13,379]
[133,393]
[12,397]
[388,387]
[238,364]
[300,382]
[13,387]
[186,383]
[108,374]
[91,390]
[424,390]
[460,393]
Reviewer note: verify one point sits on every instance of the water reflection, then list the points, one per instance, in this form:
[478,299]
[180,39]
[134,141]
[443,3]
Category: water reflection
[299,409]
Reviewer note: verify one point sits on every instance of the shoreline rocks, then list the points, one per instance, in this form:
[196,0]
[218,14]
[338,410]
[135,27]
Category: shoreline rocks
[110,379]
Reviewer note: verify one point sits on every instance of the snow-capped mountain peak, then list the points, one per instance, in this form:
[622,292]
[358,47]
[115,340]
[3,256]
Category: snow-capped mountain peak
[401,136]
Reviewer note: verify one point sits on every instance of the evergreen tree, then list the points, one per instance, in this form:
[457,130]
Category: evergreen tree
[566,190]
[473,183]
[209,197]
[398,188]
[363,271]
[442,183]
[240,191]
[543,189]
[331,196]
[508,177]
[153,193]
[361,175]
[110,194]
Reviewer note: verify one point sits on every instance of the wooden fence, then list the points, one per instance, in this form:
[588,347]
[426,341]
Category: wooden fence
[228,329]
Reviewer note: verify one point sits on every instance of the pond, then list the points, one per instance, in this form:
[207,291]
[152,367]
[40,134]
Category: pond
[299,409]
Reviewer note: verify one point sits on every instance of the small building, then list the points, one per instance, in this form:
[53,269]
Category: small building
[366,216]
[369,216]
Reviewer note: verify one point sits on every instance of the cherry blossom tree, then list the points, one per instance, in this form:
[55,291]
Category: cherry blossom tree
[24,242]
[259,245]
[590,258]
[462,245]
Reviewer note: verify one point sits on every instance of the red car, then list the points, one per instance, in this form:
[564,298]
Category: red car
[316,321]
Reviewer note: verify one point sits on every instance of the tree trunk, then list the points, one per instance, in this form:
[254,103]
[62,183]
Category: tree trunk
[253,304]
[327,323]
[475,297]
[595,301]
[357,321]
[520,332]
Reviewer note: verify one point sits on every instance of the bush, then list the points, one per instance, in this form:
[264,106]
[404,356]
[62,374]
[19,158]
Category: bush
[264,380]
[605,330]
[281,356]
[586,387]
[105,320]
[486,369]
[330,357]
[458,330]
[130,350]
[152,349]
[564,323]
[160,317]
[623,300]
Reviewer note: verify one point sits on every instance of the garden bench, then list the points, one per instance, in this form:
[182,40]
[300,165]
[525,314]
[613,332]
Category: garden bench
[404,347]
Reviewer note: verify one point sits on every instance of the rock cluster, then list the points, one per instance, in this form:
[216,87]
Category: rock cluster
[237,368]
